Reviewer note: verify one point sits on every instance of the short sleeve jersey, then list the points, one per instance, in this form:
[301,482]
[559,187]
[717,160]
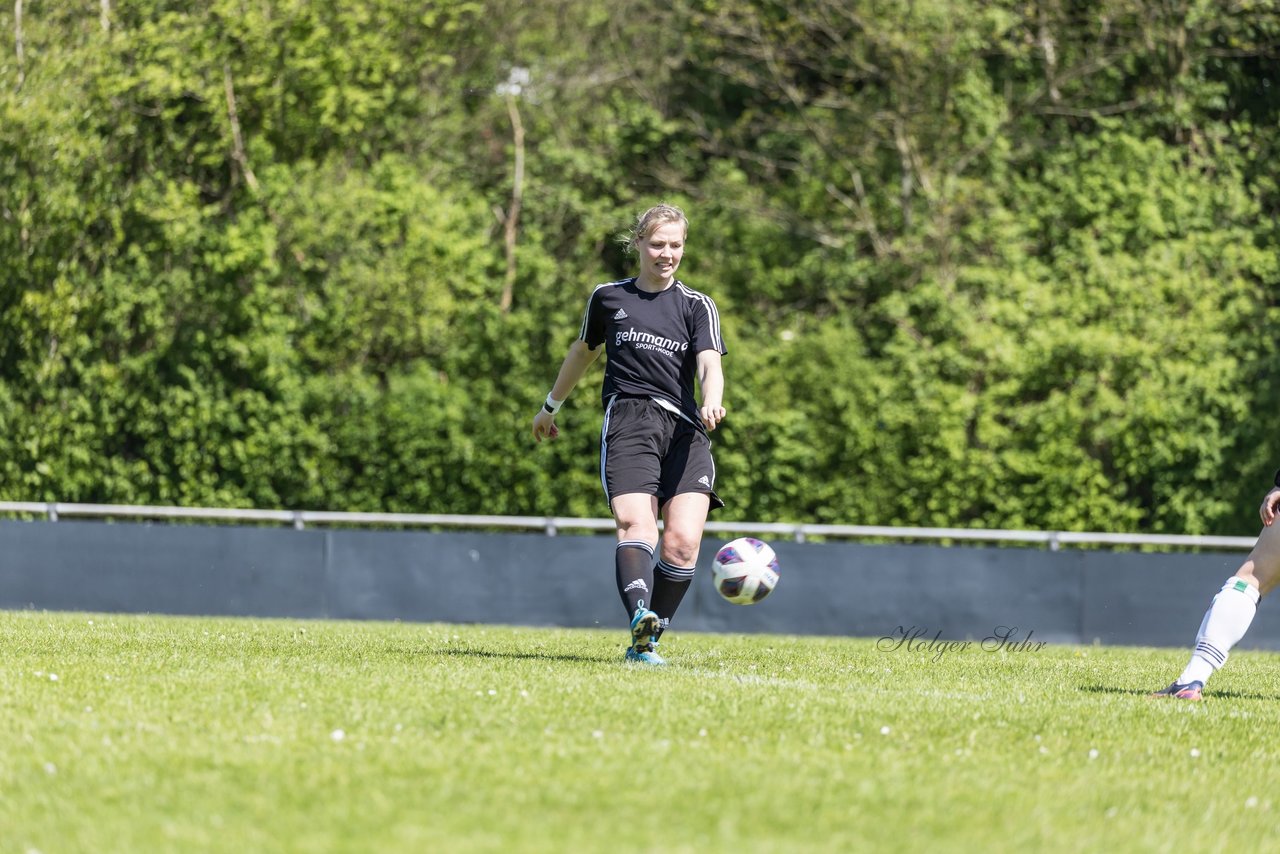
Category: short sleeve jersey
[652,341]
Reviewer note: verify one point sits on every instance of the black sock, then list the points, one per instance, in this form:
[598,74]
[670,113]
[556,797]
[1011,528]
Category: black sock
[669,586]
[633,560]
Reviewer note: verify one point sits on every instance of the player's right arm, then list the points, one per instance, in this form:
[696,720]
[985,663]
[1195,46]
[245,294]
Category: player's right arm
[575,365]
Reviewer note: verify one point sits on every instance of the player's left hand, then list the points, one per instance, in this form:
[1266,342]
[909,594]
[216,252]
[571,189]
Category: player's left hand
[1270,506]
[711,416]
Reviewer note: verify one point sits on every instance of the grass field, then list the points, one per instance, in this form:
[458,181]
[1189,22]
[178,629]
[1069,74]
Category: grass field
[127,733]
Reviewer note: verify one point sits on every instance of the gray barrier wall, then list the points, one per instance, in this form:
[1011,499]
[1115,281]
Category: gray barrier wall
[962,592]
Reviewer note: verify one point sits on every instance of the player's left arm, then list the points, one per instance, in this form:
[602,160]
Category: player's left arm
[711,381]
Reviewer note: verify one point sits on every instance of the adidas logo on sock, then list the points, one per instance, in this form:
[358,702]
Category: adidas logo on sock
[638,584]
[620,315]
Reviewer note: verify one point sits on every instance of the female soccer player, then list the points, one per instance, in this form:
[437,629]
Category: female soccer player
[655,455]
[1232,610]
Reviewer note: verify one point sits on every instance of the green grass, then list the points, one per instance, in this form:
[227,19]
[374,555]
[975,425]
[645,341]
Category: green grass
[124,733]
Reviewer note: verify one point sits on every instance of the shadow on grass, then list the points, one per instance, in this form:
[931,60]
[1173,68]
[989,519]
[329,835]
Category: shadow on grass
[530,656]
[1108,689]
[1136,692]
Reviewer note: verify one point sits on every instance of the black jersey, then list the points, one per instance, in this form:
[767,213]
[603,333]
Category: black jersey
[652,341]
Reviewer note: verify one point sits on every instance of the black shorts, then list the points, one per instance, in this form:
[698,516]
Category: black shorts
[649,449]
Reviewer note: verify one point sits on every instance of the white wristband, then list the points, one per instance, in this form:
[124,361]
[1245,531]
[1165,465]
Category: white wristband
[552,405]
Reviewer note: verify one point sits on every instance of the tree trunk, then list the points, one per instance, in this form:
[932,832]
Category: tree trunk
[17,37]
[511,221]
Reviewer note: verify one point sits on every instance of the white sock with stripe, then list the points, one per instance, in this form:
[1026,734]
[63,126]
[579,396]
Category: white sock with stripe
[1224,624]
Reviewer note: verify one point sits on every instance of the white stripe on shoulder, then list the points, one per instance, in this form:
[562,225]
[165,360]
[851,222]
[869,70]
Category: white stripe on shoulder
[582,330]
[713,314]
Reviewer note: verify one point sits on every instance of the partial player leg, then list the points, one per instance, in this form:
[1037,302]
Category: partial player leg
[1229,615]
[636,515]
[684,518]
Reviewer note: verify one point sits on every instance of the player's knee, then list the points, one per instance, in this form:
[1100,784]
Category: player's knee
[679,548]
[638,530]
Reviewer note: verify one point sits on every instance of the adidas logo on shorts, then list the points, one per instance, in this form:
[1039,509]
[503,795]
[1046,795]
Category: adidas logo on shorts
[705,481]
[620,315]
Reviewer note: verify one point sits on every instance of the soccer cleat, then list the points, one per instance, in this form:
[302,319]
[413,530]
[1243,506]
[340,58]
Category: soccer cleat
[647,656]
[1190,691]
[645,625]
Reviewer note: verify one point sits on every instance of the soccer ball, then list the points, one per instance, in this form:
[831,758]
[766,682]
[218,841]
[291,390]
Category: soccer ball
[745,571]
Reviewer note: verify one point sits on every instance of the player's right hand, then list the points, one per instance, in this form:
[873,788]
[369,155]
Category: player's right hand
[1270,506]
[544,425]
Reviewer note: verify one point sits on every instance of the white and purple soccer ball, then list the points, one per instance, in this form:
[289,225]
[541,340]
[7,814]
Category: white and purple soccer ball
[745,571]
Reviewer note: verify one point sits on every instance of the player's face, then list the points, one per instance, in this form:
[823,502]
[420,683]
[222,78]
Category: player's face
[660,254]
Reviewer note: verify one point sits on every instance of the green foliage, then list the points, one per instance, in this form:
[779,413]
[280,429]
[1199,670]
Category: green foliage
[979,263]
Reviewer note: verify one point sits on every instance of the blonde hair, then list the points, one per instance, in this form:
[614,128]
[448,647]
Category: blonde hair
[650,221]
